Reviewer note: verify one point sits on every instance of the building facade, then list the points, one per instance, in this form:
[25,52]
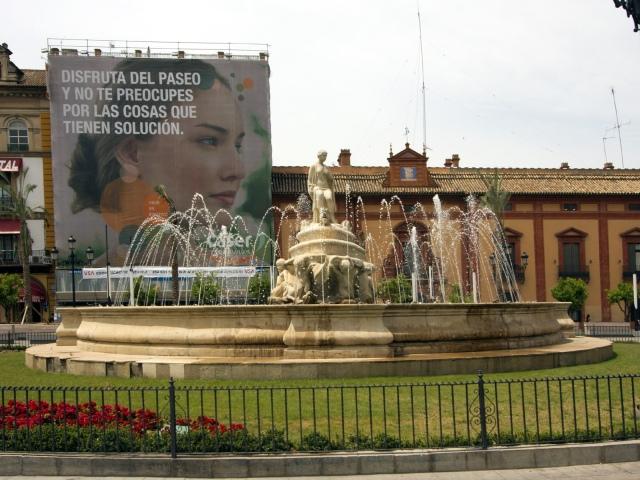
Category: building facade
[25,149]
[565,222]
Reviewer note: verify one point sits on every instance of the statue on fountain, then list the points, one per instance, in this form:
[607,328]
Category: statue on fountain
[320,188]
[327,264]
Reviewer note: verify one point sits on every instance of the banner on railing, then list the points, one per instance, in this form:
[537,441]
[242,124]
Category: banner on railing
[165,272]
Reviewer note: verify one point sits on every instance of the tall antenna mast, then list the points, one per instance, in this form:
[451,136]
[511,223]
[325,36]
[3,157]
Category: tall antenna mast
[424,95]
[617,125]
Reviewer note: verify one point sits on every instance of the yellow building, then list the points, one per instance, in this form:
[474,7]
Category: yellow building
[582,223]
[25,146]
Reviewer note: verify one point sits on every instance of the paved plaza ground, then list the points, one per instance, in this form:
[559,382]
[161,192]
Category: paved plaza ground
[611,471]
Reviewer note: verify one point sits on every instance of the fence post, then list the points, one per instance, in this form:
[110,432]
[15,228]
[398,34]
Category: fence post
[483,413]
[12,335]
[172,418]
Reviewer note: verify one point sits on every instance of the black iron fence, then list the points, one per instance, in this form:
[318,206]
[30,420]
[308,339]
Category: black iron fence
[12,338]
[176,419]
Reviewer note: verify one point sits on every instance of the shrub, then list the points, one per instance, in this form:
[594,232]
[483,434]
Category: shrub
[573,290]
[205,289]
[395,289]
[260,288]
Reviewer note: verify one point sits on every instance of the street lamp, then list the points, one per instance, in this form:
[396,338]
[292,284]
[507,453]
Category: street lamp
[72,251]
[89,254]
[524,258]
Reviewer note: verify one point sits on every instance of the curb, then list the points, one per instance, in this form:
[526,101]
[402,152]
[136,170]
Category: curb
[286,465]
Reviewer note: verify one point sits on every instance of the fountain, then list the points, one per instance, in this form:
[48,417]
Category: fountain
[325,317]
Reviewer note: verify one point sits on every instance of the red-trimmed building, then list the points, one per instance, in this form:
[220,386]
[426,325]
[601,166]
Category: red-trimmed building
[582,223]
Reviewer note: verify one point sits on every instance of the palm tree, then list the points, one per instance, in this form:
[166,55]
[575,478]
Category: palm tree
[175,283]
[495,198]
[19,209]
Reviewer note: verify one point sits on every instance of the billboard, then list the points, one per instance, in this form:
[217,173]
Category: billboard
[123,127]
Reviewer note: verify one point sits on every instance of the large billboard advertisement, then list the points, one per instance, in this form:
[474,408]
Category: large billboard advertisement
[121,128]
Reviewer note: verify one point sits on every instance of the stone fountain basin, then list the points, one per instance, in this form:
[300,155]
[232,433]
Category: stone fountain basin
[313,331]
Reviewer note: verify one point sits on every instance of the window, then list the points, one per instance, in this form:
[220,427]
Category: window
[571,254]
[570,207]
[508,207]
[8,248]
[18,137]
[408,174]
[633,255]
[634,207]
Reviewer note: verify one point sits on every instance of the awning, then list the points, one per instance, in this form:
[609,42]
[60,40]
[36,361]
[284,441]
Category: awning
[38,292]
[9,227]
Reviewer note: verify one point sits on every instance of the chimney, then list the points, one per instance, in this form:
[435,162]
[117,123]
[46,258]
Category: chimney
[264,56]
[344,159]
[5,60]
[220,54]
[564,166]
[54,51]
[180,53]
[455,160]
[138,53]
[97,52]
[448,162]
[608,166]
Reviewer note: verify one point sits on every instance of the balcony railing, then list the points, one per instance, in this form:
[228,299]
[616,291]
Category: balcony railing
[574,271]
[37,257]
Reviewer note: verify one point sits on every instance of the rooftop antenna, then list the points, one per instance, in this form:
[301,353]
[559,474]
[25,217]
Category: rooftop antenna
[406,134]
[424,96]
[604,146]
[617,125]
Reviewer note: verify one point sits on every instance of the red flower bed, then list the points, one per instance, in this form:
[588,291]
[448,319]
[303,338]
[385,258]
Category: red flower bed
[18,414]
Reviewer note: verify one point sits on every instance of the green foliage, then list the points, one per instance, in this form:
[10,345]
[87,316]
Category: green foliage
[495,198]
[573,290]
[205,290]
[395,289]
[10,284]
[455,295]
[148,294]
[259,288]
[622,296]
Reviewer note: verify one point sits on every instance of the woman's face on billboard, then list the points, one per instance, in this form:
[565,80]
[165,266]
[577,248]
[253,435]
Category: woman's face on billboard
[205,159]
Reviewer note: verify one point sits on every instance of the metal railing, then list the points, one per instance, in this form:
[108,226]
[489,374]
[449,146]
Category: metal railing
[177,419]
[616,332]
[37,257]
[581,272]
[13,339]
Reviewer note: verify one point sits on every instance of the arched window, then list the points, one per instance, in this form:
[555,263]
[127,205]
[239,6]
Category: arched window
[18,136]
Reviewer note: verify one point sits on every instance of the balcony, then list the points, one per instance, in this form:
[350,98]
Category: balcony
[518,271]
[9,258]
[17,147]
[574,271]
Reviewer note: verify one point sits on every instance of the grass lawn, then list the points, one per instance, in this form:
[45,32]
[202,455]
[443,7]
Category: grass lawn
[525,406]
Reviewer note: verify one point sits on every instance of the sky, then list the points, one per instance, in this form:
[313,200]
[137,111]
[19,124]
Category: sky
[508,84]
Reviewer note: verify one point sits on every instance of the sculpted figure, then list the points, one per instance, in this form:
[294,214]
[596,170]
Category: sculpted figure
[344,275]
[320,188]
[365,285]
[287,284]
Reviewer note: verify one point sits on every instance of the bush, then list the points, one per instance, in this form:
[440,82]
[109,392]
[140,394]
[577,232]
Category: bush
[205,289]
[260,288]
[573,290]
[622,296]
[145,295]
[395,289]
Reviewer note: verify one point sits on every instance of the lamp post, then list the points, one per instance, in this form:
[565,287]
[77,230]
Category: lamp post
[89,254]
[524,259]
[72,254]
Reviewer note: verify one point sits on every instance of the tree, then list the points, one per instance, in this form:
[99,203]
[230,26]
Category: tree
[205,289]
[573,290]
[395,289]
[10,285]
[495,198]
[175,279]
[20,209]
[622,296]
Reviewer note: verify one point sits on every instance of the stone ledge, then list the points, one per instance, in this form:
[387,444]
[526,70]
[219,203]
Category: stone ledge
[52,358]
[339,463]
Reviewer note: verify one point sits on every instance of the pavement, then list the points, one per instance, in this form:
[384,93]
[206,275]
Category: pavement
[610,471]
